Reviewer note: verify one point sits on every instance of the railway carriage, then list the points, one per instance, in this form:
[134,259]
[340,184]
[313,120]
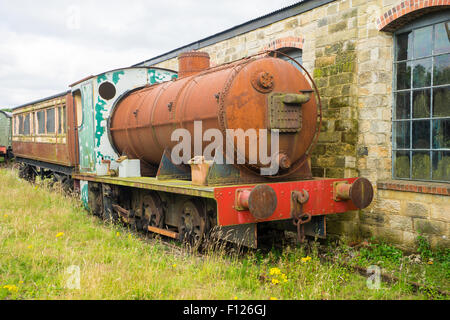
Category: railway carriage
[5,136]
[43,138]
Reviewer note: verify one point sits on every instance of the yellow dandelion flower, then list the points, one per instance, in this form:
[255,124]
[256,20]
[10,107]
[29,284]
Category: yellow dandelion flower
[60,234]
[306,259]
[30,246]
[274,271]
[11,288]
[275,281]
[21,282]
[235,298]
[174,265]
[117,233]
[273,298]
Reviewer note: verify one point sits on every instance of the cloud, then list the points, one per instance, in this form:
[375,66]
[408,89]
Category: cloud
[46,45]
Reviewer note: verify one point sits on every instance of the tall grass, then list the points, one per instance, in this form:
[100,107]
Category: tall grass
[44,232]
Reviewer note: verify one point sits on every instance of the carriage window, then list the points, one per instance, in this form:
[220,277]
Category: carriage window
[26,125]
[59,119]
[21,124]
[64,118]
[41,122]
[421,117]
[51,120]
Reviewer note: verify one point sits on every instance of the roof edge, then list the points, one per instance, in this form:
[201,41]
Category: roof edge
[42,100]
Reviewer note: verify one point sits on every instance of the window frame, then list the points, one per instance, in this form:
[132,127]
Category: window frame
[298,57]
[429,20]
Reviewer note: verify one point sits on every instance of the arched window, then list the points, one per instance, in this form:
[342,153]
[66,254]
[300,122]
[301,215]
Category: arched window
[291,46]
[294,53]
[421,110]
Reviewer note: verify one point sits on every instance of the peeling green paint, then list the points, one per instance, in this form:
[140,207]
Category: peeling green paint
[157,76]
[116,76]
[101,78]
[99,130]
[86,140]
[84,194]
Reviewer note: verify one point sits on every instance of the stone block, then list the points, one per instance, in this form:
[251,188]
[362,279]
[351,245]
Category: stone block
[401,223]
[430,226]
[416,210]
[439,242]
[390,235]
[441,212]
[373,218]
[334,172]
[325,61]
[387,205]
[342,25]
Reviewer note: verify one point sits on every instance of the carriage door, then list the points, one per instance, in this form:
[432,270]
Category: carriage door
[85,118]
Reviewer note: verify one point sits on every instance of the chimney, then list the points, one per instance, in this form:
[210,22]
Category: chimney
[192,62]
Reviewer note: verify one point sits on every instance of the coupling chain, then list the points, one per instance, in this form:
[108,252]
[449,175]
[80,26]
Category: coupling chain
[298,199]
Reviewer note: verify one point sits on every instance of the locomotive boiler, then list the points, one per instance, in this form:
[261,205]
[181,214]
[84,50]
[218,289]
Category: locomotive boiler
[251,94]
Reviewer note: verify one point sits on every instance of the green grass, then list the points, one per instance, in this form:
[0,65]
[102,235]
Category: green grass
[115,263]
[427,268]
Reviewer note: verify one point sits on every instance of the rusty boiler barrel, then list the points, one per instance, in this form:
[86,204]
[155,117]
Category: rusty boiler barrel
[254,93]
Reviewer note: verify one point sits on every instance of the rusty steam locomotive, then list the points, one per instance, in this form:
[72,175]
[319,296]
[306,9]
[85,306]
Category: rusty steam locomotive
[112,137]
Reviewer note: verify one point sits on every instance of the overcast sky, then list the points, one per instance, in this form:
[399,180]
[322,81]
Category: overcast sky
[46,45]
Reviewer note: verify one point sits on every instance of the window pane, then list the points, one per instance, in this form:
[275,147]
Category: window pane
[50,120]
[421,134]
[441,134]
[295,54]
[441,166]
[403,75]
[20,124]
[64,119]
[402,134]
[26,125]
[59,120]
[441,70]
[422,73]
[421,165]
[441,42]
[423,42]
[41,122]
[404,46]
[401,164]
[421,103]
[403,105]
[441,102]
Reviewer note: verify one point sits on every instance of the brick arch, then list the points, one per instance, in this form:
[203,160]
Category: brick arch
[287,42]
[408,10]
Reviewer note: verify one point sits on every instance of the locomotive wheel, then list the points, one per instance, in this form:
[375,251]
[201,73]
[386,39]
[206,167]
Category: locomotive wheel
[28,173]
[65,181]
[152,212]
[193,226]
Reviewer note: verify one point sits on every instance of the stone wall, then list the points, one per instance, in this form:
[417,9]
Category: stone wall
[352,62]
